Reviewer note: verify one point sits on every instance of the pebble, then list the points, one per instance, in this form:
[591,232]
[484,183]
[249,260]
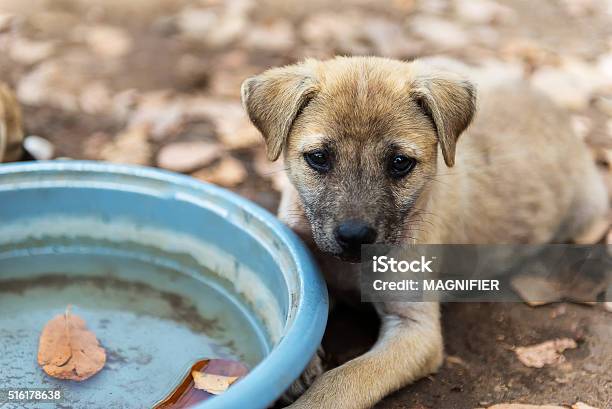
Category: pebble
[39,148]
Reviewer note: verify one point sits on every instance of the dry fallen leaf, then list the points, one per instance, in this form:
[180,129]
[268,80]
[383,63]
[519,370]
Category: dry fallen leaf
[537,291]
[233,127]
[187,394]
[188,156]
[131,147]
[160,111]
[215,384]
[67,350]
[229,172]
[57,81]
[29,52]
[546,353]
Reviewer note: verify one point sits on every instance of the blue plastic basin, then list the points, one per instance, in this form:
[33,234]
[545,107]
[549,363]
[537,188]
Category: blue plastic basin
[164,269]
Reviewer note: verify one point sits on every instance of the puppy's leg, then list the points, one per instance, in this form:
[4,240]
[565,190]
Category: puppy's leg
[409,347]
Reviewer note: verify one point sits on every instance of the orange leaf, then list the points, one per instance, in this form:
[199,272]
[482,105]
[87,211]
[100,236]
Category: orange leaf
[215,384]
[67,350]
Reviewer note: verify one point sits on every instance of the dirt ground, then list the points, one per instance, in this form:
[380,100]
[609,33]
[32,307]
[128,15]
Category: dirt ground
[481,368]
[122,80]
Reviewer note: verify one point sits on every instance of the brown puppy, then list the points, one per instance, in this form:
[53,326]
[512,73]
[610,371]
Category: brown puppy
[11,133]
[362,139]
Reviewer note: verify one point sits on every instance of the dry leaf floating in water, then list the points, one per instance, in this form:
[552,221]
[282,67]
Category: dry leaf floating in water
[211,383]
[205,379]
[68,350]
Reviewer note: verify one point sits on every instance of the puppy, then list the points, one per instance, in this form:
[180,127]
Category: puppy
[372,150]
[11,133]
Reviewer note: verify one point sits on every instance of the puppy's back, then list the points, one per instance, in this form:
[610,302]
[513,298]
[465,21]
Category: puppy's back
[530,172]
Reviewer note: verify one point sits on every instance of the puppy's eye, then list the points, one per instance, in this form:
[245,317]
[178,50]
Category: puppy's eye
[401,165]
[318,160]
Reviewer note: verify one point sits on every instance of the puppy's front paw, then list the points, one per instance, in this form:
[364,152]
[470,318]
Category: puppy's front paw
[313,370]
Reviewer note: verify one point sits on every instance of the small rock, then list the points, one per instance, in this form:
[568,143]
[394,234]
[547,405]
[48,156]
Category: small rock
[39,148]
[130,146]
[546,353]
[108,41]
[187,157]
[229,172]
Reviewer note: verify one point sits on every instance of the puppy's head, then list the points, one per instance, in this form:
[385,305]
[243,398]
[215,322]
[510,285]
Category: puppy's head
[360,138]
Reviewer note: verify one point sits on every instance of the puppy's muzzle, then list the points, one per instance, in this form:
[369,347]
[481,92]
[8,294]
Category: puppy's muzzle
[351,235]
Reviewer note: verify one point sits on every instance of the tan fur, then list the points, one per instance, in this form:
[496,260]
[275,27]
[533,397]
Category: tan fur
[519,175]
[11,133]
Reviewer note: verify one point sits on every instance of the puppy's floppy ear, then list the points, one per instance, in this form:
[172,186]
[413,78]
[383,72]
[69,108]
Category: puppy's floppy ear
[274,99]
[450,101]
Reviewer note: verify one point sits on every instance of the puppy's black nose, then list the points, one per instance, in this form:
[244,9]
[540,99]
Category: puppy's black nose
[351,234]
